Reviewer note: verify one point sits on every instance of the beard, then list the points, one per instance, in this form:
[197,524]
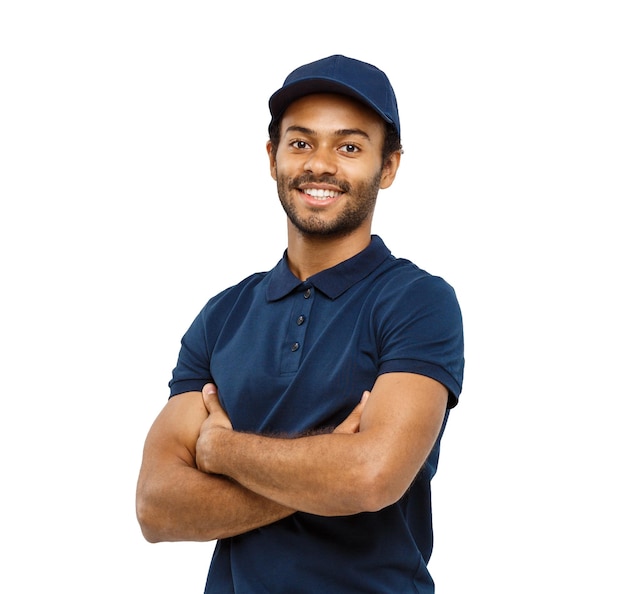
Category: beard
[351,217]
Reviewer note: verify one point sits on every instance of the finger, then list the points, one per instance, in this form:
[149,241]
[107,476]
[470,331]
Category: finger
[209,396]
[358,409]
[352,422]
[354,418]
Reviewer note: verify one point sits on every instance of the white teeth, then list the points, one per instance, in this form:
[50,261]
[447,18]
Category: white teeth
[321,193]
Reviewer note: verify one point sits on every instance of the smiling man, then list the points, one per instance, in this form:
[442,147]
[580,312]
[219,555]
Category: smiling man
[308,402]
[315,155]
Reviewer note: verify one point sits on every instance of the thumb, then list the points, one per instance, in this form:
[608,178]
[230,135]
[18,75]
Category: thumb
[209,394]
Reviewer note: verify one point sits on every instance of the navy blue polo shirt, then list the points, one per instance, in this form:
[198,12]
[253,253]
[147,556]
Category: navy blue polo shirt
[291,356]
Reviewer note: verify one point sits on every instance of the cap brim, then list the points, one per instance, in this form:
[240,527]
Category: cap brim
[282,98]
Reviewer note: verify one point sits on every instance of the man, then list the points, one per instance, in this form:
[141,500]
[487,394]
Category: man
[307,404]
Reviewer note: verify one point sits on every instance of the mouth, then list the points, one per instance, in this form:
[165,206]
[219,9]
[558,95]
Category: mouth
[321,194]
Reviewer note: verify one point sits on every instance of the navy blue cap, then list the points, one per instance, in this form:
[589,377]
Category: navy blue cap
[338,74]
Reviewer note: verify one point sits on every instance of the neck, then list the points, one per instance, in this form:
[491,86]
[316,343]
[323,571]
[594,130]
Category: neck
[309,255]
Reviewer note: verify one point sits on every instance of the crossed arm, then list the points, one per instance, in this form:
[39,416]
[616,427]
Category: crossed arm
[200,480]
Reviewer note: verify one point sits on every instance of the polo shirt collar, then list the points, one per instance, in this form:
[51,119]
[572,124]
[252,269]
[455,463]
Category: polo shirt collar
[333,281]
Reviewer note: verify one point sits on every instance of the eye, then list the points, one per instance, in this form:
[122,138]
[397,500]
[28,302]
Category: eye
[300,145]
[350,148]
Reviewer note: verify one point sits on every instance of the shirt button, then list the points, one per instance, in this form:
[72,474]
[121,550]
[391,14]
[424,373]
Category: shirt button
[307,293]
[294,347]
[300,320]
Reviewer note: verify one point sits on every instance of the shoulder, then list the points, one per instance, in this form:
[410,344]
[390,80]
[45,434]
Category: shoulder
[226,298]
[418,320]
[402,281]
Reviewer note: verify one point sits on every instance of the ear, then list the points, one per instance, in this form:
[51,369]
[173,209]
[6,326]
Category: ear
[390,168]
[272,158]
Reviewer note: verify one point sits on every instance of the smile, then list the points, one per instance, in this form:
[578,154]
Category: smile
[321,194]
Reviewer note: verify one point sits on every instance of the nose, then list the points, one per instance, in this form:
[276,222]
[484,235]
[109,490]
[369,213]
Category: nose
[321,161]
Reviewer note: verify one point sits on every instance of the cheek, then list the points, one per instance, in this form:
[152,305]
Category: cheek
[275,169]
[283,169]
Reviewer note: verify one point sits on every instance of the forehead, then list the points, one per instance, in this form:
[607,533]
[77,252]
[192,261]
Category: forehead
[332,112]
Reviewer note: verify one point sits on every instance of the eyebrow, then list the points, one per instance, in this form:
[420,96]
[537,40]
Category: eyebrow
[338,133]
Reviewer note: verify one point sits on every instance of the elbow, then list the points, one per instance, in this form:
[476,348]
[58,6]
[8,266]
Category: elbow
[150,532]
[150,519]
[378,496]
[377,487]
[148,527]
[150,535]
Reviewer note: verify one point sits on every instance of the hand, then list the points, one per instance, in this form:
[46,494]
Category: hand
[218,421]
[217,415]
[210,429]
[352,422]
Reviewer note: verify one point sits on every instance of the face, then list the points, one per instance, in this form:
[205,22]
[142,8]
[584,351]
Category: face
[328,165]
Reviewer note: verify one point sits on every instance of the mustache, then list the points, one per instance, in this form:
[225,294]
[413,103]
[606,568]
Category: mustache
[308,178]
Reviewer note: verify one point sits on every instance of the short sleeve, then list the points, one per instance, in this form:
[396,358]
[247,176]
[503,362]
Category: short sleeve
[422,332]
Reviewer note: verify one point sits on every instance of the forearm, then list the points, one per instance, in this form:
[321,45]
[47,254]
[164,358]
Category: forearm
[175,500]
[366,465]
[324,474]
[189,505]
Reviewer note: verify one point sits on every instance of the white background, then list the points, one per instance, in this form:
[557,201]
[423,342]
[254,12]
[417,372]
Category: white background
[134,185]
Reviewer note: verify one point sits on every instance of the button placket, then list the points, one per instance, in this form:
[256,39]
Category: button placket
[296,332]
